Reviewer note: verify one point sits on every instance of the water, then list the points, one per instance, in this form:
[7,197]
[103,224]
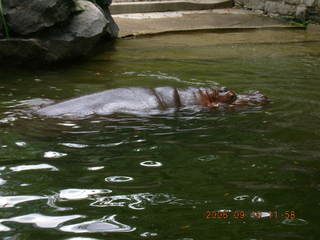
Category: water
[244,174]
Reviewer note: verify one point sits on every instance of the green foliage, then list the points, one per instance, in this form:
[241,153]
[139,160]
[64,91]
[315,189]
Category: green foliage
[77,6]
[300,23]
[3,21]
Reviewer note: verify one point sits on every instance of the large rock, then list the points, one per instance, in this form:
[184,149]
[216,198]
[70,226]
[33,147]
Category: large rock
[22,51]
[29,16]
[1,31]
[75,38]
[79,36]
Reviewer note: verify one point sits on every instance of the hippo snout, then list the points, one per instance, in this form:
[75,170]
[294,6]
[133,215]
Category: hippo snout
[251,98]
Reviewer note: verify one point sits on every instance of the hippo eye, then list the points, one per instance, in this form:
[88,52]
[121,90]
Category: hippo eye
[223,90]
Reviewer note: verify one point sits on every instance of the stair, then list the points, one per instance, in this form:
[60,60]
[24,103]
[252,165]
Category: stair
[150,17]
[147,6]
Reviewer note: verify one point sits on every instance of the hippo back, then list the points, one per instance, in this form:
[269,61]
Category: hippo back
[168,97]
[125,100]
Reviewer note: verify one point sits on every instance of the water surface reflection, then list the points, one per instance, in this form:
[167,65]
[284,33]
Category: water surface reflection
[129,177]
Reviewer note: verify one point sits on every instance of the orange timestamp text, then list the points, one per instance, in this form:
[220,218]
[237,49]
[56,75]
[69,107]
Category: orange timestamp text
[241,214]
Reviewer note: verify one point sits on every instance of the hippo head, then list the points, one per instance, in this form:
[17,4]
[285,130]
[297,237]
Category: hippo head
[215,98]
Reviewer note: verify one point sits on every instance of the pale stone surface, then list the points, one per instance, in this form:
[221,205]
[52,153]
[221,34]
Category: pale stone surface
[301,12]
[299,9]
[209,20]
[165,5]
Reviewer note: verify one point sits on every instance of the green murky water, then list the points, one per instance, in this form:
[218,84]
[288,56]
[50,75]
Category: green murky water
[246,174]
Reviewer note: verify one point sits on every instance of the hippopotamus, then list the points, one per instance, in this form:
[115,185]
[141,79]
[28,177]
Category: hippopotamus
[147,101]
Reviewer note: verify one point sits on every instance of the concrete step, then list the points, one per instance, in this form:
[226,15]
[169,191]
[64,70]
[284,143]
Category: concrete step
[140,24]
[132,6]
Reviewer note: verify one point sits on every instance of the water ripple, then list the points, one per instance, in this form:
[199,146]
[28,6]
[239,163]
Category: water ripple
[21,144]
[52,154]
[82,238]
[151,164]
[11,201]
[117,179]
[95,168]
[148,234]
[257,199]
[33,167]
[39,220]
[2,181]
[74,145]
[68,124]
[105,224]
[294,222]
[134,201]
[241,197]
[77,194]
[208,158]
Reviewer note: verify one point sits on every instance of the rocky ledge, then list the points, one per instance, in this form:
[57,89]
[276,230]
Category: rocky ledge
[50,31]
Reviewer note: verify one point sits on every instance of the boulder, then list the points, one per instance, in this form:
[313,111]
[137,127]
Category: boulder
[20,51]
[79,36]
[28,16]
[102,3]
[112,29]
[75,38]
[1,31]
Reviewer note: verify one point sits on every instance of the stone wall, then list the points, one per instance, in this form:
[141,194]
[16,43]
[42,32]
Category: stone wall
[298,9]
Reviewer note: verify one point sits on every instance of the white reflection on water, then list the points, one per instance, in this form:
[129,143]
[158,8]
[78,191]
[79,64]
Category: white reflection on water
[257,199]
[68,124]
[81,238]
[11,201]
[8,119]
[52,154]
[39,220]
[77,194]
[208,158]
[135,201]
[33,167]
[74,145]
[118,179]
[295,222]
[2,181]
[95,168]
[241,197]
[21,144]
[151,164]
[105,224]
[148,234]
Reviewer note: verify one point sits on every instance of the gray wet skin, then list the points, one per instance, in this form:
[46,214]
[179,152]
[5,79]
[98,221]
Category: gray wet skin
[135,100]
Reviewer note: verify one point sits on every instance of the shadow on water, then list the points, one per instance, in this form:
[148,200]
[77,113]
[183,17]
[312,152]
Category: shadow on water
[245,174]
